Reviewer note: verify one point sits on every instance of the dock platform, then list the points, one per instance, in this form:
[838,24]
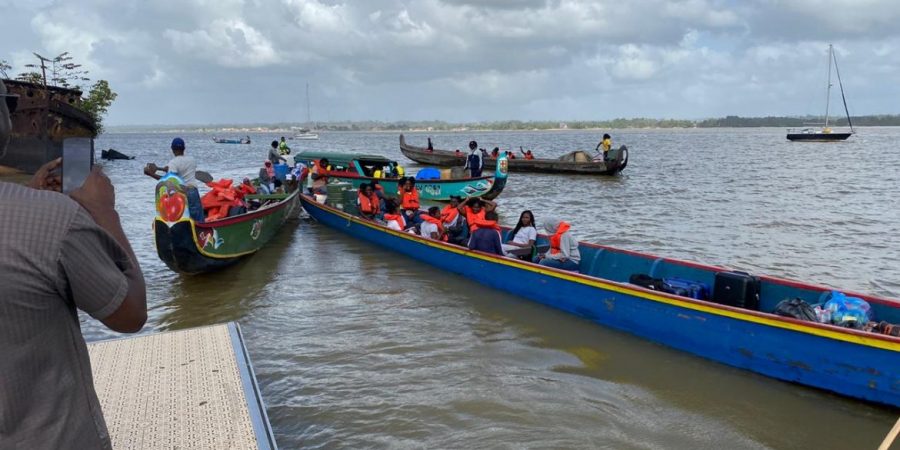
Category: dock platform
[181,389]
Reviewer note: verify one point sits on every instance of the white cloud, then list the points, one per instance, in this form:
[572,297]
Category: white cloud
[230,43]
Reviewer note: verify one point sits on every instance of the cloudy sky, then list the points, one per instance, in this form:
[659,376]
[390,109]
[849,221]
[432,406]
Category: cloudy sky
[247,61]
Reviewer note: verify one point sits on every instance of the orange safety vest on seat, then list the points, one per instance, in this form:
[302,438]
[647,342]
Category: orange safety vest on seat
[437,222]
[554,240]
[409,199]
[472,217]
[396,217]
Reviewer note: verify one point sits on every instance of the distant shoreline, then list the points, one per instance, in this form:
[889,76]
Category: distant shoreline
[514,125]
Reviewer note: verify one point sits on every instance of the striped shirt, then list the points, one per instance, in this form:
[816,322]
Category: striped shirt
[53,260]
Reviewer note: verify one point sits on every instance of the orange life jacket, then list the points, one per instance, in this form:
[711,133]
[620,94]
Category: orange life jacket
[472,217]
[482,223]
[437,222]
[219,199]
[449,213]
[529,156]
[409,199]
[368,205]
[555,239]
[396,217]
[320,171]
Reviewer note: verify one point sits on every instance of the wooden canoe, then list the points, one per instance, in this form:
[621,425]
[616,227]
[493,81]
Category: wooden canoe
[572,162]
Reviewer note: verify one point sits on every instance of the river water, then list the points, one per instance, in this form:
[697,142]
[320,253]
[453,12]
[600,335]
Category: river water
[355,346]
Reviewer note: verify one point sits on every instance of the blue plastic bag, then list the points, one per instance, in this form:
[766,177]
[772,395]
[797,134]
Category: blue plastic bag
[851,312]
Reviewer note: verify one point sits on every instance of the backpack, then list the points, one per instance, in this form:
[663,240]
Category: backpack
[796,308]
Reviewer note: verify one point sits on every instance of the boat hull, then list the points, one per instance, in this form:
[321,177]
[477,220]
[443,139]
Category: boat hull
[818,137]
[446,158]
[189,247]
[859,367]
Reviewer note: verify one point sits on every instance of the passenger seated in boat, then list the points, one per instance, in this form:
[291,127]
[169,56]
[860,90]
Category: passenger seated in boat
[459,154]
[432,227]
[319,176]
[510,155]
[527,154]
[409,200]
[267,178]
[563,252]
[393,218]
[368,203]
[473,208]
[454,222]
[521,239]
[486,234]
[495,152]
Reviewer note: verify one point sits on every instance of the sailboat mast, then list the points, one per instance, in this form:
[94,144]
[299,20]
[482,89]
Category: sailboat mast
[828,90]
[307,103]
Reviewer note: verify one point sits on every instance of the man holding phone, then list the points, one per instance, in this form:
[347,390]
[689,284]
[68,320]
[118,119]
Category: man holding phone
[59,253]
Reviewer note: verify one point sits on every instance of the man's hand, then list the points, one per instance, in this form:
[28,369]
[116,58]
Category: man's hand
[47,178]
[97,196]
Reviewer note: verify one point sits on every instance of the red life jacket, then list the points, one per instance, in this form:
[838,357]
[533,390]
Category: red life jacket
[397,218]
[472,217]
[368,205]
[437,222]
[555,239]
[449,213]
[409,199]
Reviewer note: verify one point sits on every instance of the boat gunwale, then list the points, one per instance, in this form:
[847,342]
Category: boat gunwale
[889,343]
[417,181]
[226,221]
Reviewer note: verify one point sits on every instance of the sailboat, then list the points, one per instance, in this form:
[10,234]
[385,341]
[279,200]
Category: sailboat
[825,134]
[306,133]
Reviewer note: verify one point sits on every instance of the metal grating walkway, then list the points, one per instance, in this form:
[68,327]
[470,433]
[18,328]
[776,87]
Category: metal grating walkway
[180,389]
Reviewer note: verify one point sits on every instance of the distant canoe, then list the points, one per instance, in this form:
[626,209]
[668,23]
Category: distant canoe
[231,141]
[191,247]
[572,162]
[113,154]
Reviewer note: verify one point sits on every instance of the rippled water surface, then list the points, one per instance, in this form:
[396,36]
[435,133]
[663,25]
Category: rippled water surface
[355,346]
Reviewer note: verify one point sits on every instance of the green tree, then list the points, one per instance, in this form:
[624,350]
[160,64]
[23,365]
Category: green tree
[97,101]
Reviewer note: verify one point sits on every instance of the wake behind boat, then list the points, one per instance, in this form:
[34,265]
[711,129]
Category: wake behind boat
[572,162]
[732,326]
[825,133]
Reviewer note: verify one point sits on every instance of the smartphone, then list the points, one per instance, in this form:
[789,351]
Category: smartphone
[77,161]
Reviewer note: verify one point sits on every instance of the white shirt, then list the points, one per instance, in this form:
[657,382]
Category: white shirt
[394,225]
[184,167]
[426,228]
[524,235]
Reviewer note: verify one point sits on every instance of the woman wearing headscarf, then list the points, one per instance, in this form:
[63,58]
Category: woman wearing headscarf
[563,252]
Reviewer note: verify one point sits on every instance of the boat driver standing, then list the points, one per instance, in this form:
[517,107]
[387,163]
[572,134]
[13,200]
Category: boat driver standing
[474,162]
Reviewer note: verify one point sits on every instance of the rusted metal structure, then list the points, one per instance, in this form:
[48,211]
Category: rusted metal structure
[44,117]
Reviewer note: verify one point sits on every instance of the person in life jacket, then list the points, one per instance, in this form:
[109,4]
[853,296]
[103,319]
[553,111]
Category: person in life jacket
[283,148]
[368,202]
[409,200]
[454,223]
[496,152]
[474,209]
[474,162]
[319,176]
[527,154]
[393,218]
[563,252]
[459,154]
[432,226]
[486,234]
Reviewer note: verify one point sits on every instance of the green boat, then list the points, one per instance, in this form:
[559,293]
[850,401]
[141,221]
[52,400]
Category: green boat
[358,169]
[192,247]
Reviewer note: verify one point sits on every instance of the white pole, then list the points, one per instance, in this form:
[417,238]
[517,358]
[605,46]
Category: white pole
[828,91]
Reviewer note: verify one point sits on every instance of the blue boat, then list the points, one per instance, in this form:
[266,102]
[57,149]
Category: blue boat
[850,362]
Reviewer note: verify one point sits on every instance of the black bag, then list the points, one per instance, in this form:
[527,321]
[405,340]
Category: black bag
[796,308]
[739,289]
[646,281]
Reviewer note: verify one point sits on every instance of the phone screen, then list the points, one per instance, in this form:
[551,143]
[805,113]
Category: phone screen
[77,160]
